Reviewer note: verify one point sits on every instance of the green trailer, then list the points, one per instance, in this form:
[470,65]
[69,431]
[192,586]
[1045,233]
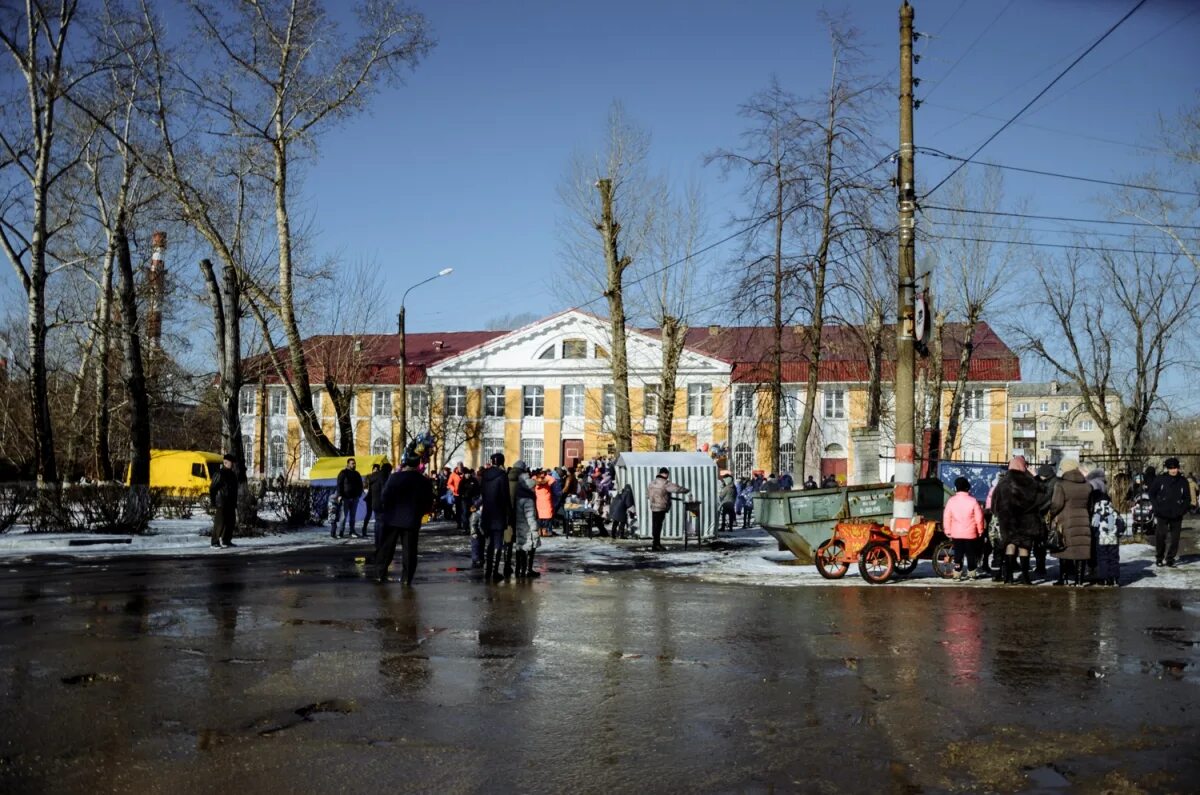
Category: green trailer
[801,520]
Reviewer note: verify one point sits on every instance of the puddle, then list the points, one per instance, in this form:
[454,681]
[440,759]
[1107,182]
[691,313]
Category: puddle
[90,679]
[1047,777]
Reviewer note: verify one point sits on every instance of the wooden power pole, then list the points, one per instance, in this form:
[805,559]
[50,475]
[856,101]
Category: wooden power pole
[906,199]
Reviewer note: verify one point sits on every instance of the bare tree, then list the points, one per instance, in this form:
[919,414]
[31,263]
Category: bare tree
[607,198]
[1115,334]
[282,74]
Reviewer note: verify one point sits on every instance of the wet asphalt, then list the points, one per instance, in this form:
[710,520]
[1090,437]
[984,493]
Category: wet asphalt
[293,673]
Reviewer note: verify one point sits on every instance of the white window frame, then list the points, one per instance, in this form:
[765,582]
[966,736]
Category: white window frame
[454,401]
[608,402]
[533,401]
[533,451]
[744,400]
[974,404]
[307,459]
[248,452]
[248,402]
[791,403]
[277,402]
[573,396]
[699,400]
[417,402]
[834,404]
[276,455]
[492,444]
[381,446]
[787,458]
[494,398]
[382,403]
[1087,425]
[651,401]
[743,459]
[1044,407]
[1022,408]
[1043,426]
[574,340]
[1064,406]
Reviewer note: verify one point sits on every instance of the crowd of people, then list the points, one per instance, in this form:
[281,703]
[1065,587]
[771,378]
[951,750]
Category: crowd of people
[1067,513]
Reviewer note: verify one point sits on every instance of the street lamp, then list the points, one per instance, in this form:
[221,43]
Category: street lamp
[404,356]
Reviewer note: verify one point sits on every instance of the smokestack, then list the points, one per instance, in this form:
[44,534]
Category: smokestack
[156,282]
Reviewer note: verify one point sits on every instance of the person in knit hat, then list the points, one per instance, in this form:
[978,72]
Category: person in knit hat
[1015,501]
[1070,511]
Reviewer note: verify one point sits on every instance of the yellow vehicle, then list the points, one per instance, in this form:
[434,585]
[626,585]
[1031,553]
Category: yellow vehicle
[326,470]
[184,471]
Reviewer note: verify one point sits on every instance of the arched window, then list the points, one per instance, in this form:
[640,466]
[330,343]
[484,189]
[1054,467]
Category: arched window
[743,459]
[380,446]
[276,457]
[834,450]
[548,353]
[787,458]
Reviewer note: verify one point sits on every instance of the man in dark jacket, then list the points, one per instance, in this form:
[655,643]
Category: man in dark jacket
[1172,499]
[368,502]
[375,483]
[496,514]
[405,500]
[468,490]
[350,489]
[1015,501]
[223,494]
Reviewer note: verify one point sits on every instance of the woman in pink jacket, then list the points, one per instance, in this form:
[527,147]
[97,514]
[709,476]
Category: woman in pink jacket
[962,521]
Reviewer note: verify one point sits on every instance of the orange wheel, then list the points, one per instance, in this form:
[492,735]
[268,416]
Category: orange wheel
[828,558]
[877,563]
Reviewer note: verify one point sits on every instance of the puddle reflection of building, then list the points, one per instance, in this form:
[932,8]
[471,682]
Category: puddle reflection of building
[402,662]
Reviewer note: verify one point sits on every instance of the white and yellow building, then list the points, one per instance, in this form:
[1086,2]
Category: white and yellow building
[543,393]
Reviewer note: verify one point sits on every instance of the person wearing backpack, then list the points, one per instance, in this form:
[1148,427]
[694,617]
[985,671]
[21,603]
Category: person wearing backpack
[1172,499]
[1107,527]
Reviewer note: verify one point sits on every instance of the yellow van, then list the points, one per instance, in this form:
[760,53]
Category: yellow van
[186,471]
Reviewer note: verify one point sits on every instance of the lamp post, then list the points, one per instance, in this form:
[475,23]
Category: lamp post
[404,356]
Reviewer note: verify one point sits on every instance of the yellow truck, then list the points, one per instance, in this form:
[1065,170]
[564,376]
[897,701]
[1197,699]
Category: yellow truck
[182,471]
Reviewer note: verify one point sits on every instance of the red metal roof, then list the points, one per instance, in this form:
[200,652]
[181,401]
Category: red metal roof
[371,358]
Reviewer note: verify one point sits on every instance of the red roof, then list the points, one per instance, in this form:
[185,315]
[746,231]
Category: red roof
[844,353]
[371,358]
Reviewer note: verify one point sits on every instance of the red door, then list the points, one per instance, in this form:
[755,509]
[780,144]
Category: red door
[835,467]
[572,451]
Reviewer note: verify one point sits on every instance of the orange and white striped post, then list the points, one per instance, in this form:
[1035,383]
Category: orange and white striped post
[906,202]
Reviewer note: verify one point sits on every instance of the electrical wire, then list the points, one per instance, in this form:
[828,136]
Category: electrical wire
[1038,96]
[1053,245]
[1039,172]
[1032,126]
[1066,218]
[967,51]
[1059,231]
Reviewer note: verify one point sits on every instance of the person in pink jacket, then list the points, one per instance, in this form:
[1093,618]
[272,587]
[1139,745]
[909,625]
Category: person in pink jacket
[962,521]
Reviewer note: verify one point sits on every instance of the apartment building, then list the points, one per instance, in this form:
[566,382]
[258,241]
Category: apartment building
[1048,422]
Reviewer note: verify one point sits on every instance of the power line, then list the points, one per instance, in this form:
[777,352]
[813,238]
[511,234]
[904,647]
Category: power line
[1060,231]
[1039,95]
[1068,219]
[967,51]
[1032,126]
[1039,172]
[1055,245]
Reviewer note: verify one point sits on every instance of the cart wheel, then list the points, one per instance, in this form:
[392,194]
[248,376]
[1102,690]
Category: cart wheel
[943,560]
[829,560]
[877,563]
[904,568]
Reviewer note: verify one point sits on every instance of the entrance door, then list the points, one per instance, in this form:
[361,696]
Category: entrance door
[572,451]
[835,467]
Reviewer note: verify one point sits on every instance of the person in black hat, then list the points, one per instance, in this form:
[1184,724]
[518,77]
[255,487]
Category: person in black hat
[223,495]
[659,495]
[407,497]
[1172,499]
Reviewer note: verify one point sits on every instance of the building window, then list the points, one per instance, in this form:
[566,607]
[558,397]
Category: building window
[1086,425]
[418,402]
[1044,407]
[792,405]
[1043,426]
[1064,407]
[531,453]
[572,400]
[699,400]
[493,401]
[1022,408]
[574,349]
[278,400]
[534,400]
[548,353]
[787,457]
[380,446]
[608,402]
[491,445]
[835,404]
[307,459]
[743,401]
[383,403]
[743,459]
[456,401]
[248,453]
[650,401]
[973,405]
[248,402]
[276,457]
[317,403]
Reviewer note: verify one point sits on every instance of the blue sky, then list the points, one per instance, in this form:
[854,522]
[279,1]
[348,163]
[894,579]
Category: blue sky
[459,168]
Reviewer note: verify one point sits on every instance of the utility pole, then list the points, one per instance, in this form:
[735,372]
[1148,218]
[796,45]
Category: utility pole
[402,393]
[906,201]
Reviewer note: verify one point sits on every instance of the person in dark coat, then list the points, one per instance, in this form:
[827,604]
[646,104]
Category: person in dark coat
[619,512]
[1069,510]
[468,490]
[370,507]
[1047,478]
[1015,500]
[223,494]
[1172,499]
[405,499]
[496,509]
[350,489]
[375,483]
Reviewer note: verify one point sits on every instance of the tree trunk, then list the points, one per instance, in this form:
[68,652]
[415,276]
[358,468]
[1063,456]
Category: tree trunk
[75,439]
[225,301]
[342,401]
[673,332]
[776,430]
[135,377]
[100,432]
[615,264]
[960,386]
[874,368]
[936,376]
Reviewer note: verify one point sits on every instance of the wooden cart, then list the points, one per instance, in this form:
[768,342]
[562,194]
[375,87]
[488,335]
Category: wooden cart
[880,555]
